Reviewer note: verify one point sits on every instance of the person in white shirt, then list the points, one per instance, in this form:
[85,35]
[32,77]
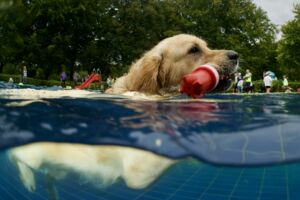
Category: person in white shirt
[267,83]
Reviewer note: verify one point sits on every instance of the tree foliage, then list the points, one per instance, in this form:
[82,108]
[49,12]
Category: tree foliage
[47,35]
[239,25]
[288,48]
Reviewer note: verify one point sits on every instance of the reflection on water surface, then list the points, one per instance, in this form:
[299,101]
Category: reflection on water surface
[223,129]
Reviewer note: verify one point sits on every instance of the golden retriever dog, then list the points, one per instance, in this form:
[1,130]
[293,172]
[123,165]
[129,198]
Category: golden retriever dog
[161,69]
[100,165]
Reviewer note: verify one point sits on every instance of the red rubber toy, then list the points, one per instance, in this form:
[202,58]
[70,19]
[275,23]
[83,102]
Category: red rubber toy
[203,79]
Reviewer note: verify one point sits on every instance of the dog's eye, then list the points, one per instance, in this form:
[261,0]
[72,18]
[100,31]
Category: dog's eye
[194,50]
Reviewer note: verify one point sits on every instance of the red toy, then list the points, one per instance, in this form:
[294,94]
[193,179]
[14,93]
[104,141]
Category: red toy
[201,80]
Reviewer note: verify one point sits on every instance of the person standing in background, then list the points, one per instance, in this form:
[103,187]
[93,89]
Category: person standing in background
[262,87]
[285,84]
[109,81]
[248,80]
[24,74]
[76,77]
[99,71]
[240,83]
[236,79]
[285,81]
[10,80]
[267,82]
[100,76]
[63,78]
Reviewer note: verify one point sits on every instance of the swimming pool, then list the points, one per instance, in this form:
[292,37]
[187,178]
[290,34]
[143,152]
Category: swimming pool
[221,147]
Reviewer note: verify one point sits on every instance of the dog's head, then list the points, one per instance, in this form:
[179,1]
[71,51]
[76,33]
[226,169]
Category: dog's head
[166,64]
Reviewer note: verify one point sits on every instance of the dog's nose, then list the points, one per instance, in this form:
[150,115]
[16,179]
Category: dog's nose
[232,55]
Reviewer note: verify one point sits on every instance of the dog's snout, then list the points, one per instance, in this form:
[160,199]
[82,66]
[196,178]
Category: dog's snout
[232,55]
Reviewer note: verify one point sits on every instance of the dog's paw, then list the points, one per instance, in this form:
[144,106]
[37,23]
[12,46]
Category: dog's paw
[27,177]
[30,186]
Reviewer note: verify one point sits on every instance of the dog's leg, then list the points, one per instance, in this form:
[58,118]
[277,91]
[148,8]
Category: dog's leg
[27,176]
[51,189]
[25,161]
[143,168]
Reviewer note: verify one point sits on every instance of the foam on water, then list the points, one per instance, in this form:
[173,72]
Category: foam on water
[29,93]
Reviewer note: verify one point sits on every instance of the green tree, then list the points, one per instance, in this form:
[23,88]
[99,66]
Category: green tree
[235,24]
[110,35]
[47,34]
[288,48]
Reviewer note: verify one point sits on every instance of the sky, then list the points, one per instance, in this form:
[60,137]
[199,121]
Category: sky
[279,11]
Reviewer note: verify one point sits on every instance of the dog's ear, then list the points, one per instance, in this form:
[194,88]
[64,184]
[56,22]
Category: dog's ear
[146,72]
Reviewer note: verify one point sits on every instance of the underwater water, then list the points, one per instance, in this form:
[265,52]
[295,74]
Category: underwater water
[58,144]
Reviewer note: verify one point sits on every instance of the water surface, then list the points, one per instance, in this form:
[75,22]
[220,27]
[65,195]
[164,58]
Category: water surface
[224,146]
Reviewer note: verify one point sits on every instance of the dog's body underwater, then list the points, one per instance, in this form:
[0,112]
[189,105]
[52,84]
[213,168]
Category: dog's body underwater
[101,165]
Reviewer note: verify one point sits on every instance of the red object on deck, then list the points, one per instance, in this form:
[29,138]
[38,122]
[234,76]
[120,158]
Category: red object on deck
[92,78]
[203,79]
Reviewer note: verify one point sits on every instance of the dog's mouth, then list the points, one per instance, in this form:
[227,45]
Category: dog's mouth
[223,85]
[226,72]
